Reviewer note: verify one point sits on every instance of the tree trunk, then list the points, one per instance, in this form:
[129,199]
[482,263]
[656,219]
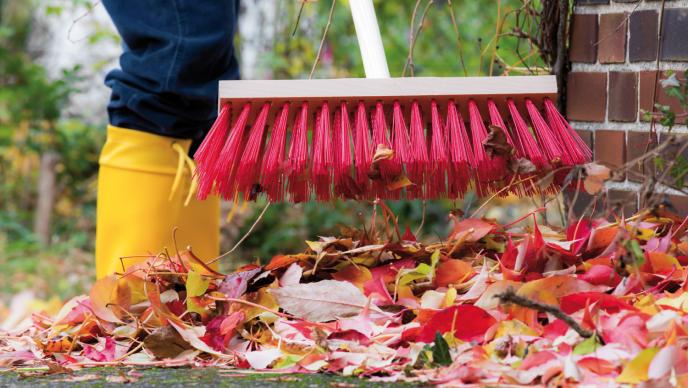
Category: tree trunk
[46,196]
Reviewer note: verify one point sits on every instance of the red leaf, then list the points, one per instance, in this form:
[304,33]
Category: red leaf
[598,366]
[601,275]
[579,231]
[468,322]
[106,354]
[611,304]
[537,358]
[556,328]
[408,235]
[473,228]
[452,271]
[220,330]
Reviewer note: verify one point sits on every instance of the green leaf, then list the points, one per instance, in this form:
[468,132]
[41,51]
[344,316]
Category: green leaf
[422,271]
[196,285]
[634,249]
[54,10]
[659,162]
[440,351]
[587,346]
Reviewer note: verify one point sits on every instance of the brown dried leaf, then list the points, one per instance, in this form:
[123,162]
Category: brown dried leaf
[522,166]
[165,342]
[595,176]
[496,144]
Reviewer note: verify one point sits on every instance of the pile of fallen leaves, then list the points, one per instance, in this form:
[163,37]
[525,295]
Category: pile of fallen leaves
[598,302]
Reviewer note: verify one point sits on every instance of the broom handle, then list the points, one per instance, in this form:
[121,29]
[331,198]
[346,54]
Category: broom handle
[369,40]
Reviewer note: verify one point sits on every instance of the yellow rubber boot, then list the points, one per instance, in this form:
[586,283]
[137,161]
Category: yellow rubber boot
[137,207]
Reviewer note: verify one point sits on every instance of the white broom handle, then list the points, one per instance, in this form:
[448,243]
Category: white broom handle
[369,40]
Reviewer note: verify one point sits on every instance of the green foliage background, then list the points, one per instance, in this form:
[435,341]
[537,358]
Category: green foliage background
[32,121]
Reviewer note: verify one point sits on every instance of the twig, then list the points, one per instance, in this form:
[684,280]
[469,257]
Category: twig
[658,52]
[422,220]
[498,29]
[509,296]
[413,38]
[455,25]
[260,217]
[298,17]
[322,40]
[618,27]
[90,9]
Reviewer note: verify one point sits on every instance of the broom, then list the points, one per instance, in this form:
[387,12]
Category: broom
[439,154]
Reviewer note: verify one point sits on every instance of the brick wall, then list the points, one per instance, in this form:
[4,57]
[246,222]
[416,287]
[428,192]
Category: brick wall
[613,51]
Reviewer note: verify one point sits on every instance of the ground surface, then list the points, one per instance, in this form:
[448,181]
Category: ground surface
[184,377]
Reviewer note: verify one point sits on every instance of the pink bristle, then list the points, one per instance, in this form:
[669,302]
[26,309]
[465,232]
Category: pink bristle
[497,121]
[321,171]
[389,169]
[401,141]
[363,152]
[248,171]
[272,174]
[460,153]
[488,170]
[419,154]
[527,146]
[208,153]
[298,157]
[548,141]
[439,158]
[342,152]
[573,146]
[224,173]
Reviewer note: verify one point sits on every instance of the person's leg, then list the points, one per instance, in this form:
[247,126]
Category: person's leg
[175,51]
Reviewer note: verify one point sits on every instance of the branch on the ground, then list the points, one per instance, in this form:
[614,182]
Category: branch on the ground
[509,296]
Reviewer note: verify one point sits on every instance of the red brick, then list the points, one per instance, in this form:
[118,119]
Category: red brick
[674,34]
[583,39]
[623,96]
[679,203]
[586,136]
[646,81]
[611,47]
[586,97]
[610,148]
[637,145]
[642,44]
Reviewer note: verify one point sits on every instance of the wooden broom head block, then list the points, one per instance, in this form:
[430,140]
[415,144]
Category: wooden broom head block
[404,90]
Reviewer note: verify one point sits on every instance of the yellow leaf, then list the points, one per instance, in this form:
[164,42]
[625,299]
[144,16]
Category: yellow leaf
[679,302]
[636,370]
[514,328]
[399,183]
[263,298]
[646,304]
[382,152]
[196,285]
[449,297]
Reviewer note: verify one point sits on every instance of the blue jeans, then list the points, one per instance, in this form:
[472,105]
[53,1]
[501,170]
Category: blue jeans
[175,51]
